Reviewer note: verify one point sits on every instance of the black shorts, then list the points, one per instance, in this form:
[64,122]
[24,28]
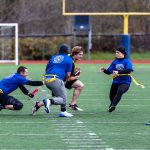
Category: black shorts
[7,100]
[69,84]
[4,99]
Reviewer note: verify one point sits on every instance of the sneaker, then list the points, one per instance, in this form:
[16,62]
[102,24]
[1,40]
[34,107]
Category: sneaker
[111,108]
[148,123]
[47,103]
[35,108]
[65,114]
[75,107]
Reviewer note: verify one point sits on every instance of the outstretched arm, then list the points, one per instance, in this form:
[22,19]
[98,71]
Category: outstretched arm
[26,92]
[23,89]
[102,69]
[34,83]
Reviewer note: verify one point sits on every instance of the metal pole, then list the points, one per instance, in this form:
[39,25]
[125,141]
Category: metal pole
[89,44]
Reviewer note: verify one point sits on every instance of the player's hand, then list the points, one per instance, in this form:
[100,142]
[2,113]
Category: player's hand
[77,71]
[77,76]
[30,95]
[102,69]
[115,72]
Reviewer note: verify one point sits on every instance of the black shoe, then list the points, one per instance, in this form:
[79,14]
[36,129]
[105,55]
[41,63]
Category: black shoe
[111,108]
[75,107]
[35,108]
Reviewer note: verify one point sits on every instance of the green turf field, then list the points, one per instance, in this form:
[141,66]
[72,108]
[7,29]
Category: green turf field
[92,129]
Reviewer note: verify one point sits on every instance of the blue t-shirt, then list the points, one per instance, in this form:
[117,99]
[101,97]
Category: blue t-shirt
[12,82]
[120,65]
[59,65]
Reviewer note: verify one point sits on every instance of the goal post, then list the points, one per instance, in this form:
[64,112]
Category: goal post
[125,36]
[9,43]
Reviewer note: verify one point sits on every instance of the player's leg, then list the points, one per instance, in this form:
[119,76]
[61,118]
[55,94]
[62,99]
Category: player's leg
[60,98]
[113,92]
[12,103]
[122,88]
[78,87]
[60,92]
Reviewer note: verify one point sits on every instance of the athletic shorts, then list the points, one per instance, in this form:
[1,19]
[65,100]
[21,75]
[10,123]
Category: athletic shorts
[69,84]
[4,99]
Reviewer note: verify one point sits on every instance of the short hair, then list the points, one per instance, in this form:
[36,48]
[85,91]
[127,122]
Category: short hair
[21,69]
[76,50]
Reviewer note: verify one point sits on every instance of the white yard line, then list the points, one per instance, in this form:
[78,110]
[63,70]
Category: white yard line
[79,137]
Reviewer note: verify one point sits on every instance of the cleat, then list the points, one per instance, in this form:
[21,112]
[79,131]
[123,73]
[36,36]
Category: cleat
[75,107]
[111,108]
[47,103]
[65,114]
[35,108]
[148,123]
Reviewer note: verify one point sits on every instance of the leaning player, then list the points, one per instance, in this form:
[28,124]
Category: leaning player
[58,71]
[74,82]
[10,84]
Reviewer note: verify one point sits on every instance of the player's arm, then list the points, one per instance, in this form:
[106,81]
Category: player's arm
[68,76]
[74,77]
[106,71]
[34,83]
[128,68]
[25,91]
[125,71]
[69,69]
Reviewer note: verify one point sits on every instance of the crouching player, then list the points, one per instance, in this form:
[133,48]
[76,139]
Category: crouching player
[74,82]
[10,84]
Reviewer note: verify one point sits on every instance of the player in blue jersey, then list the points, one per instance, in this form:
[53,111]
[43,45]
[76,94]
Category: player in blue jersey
[10,84]
[57,72]
[121,67]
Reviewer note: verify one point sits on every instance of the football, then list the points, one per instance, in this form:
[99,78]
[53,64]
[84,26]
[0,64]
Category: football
[77,71]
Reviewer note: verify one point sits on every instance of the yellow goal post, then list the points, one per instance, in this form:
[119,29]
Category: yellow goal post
[124,14]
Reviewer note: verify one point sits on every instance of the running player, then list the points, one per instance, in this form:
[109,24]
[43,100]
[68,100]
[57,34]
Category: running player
[74,82]
[121,67]
[58,71]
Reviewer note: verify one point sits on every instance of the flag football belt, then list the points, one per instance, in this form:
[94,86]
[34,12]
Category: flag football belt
[1,91]
[133,79]
[50,77]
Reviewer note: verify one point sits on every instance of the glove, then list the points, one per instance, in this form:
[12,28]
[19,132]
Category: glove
[30,95]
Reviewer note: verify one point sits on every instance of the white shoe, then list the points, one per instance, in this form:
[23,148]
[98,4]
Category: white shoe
[65,114]
[47,103]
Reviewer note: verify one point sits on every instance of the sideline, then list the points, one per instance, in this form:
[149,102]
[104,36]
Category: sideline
[83,61]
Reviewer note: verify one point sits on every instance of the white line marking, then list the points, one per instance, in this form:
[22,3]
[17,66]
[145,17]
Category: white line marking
[79,137]
[99,140]
[91,133]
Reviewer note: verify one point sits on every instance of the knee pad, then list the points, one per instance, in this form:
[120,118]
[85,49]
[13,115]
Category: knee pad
[16,104]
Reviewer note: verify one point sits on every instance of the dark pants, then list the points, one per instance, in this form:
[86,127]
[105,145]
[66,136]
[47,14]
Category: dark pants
[10,100]
[116,92]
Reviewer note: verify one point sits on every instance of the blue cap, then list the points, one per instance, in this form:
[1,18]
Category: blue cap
[64,49]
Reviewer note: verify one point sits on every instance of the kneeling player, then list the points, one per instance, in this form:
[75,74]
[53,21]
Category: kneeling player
[10,84]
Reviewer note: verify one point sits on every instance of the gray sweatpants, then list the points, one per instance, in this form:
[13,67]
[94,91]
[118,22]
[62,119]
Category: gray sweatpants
[58,89]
